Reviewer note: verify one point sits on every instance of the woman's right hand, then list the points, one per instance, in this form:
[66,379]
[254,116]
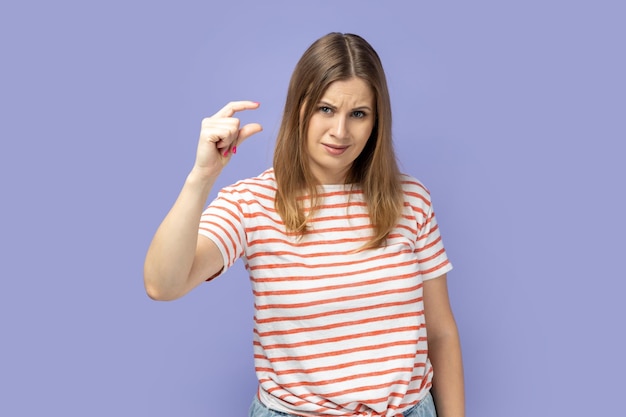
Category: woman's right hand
[178,259]
[220,136]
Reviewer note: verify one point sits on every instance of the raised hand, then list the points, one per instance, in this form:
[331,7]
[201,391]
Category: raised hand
[176,262]
[221,135]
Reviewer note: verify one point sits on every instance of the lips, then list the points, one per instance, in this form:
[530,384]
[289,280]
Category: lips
[334,149]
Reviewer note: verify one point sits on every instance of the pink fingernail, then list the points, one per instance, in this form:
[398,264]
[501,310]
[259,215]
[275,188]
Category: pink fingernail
[234,150]
[226,153]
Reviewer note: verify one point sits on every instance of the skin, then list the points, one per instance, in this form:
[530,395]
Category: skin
[444,349]
[179,259]
[339,129]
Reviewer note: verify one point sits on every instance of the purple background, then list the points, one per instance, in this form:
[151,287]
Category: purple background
[512,113]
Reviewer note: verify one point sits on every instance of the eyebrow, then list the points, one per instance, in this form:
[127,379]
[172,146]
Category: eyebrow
[327,104]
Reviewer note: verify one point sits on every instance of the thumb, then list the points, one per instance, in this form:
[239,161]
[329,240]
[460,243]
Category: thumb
[248,130]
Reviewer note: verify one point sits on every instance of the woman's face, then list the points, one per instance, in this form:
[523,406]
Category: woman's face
[341,124]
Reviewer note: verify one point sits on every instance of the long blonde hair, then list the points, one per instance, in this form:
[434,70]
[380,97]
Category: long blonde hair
[331,58]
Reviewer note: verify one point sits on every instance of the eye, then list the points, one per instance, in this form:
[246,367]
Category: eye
[359,114]
[325,109]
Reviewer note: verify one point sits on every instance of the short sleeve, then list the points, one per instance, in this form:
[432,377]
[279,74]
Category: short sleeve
[432,257]
[222,222]
[431,254]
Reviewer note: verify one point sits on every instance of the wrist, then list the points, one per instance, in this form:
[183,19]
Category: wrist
[201,179]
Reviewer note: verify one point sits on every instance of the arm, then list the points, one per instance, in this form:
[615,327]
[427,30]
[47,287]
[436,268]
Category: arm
[444,349]
[178,259]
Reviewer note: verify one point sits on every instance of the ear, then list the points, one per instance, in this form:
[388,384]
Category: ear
[303,107]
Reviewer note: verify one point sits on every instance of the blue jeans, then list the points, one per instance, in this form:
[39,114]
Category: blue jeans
[425,408]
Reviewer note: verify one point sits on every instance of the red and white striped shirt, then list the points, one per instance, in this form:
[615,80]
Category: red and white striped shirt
[337,331]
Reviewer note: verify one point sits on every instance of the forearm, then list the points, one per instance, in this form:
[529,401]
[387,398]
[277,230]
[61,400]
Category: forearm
[171,253]
[448,387]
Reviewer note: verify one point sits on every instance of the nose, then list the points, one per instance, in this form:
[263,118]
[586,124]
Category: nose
[340,128]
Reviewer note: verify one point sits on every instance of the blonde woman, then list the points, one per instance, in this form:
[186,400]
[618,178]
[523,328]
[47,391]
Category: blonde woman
[347,265]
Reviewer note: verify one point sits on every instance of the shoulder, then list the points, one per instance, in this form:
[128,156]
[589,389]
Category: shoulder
[264,180]
[261,186]
[415,192]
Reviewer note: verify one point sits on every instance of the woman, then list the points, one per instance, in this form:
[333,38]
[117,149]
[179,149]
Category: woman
[347,266]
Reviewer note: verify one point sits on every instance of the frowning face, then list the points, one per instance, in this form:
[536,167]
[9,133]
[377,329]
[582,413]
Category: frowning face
[341,124]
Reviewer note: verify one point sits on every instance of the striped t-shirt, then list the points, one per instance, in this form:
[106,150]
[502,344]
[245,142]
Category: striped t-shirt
[337,331]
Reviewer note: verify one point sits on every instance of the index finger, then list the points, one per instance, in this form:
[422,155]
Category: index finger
[234,106]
